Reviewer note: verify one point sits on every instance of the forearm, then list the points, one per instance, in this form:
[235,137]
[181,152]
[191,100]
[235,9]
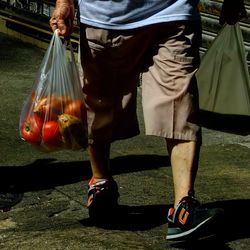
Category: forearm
[64,7]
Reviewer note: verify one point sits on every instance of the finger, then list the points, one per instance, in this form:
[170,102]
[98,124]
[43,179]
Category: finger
[62,27]
[53,24]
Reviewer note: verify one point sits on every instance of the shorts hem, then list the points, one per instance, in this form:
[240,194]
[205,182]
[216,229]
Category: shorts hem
[176,136]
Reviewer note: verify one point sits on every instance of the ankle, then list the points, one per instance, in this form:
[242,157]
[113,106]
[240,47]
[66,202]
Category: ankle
[178,199]
[94,179]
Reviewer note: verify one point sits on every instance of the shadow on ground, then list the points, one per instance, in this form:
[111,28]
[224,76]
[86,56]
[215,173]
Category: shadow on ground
[233,226]
[46,173]
[133,218]
[235,124]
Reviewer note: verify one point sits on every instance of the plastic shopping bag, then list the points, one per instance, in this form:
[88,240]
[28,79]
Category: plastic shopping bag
[54,115]
[223,77]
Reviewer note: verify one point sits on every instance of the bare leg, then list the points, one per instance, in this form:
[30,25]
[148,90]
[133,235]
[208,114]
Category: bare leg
[184,156]
[102,194]
[188,217]
[99,160]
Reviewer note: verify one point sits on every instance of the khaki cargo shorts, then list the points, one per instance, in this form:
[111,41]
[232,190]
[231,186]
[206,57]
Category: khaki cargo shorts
[164,58]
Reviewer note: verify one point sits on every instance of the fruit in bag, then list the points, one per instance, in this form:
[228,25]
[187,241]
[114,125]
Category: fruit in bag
[75,108]
[72,130]
[51,135]
[49,107]
[31,129]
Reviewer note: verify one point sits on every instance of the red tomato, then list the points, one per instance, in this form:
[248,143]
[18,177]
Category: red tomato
[31,129]
[75,108]
[51,135]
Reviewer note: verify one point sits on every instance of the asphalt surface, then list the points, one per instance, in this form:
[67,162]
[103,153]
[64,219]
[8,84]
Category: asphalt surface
[51,212]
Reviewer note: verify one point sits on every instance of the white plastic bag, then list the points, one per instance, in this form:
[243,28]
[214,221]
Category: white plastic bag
[223,77]
[54,115]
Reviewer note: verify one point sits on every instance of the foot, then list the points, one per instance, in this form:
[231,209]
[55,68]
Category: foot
[189,218]
[102,199]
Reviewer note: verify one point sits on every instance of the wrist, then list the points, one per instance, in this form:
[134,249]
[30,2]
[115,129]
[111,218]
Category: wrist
[65,2]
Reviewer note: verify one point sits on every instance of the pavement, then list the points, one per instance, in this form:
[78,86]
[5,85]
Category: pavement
[52,187]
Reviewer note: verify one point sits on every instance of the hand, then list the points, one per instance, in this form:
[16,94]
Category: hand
[232,11]
[62,17]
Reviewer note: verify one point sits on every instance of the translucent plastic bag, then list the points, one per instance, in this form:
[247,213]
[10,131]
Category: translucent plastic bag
[223,76]
[54,115]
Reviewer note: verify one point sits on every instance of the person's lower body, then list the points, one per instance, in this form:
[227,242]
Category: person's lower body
[171,110]
[169,56]
[110,88]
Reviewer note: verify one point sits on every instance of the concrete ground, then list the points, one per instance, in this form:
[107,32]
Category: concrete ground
[52,213]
